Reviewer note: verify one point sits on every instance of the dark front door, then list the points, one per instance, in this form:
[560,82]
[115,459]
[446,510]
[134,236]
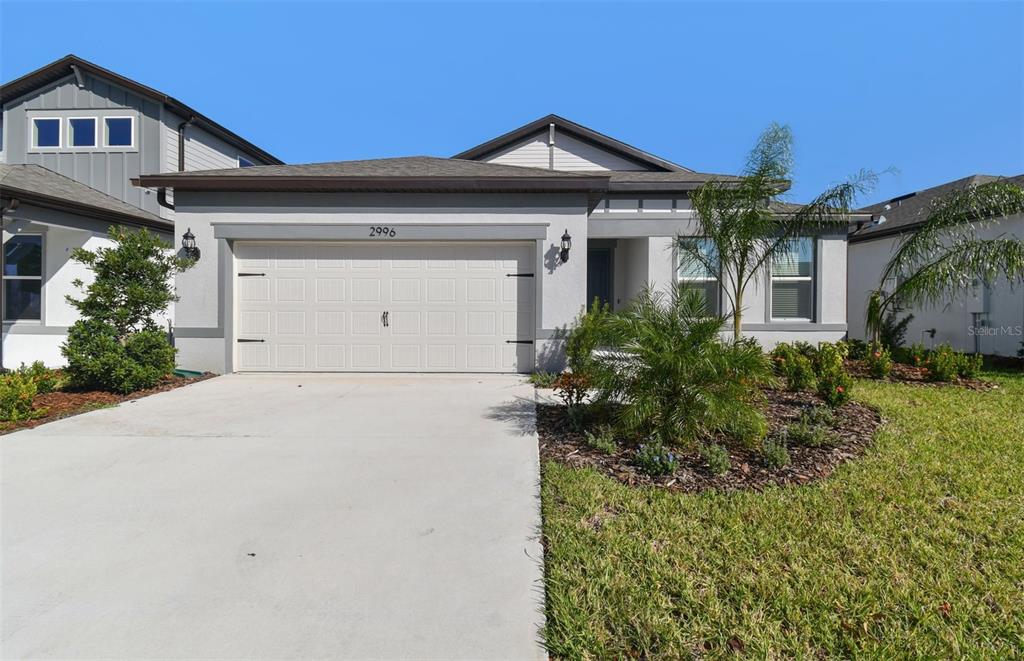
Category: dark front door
[599,275]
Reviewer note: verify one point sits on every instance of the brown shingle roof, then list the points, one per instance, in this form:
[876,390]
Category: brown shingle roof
[38,185]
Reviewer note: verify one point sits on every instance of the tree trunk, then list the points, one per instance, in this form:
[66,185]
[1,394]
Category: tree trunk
[737,316]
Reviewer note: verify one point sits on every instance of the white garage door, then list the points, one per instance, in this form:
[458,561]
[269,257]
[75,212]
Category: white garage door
[364,307]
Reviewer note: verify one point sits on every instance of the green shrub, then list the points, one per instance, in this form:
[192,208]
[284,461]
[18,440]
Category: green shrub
[98,360]
[893,330]
[654,460]
[878,361]
[603,440]
[917,354]
[717,458]
[970,365]
[793,366]
[829,357]
[774,452]
[805,433]
[17,392]
[834,387]
[747,428]
[117,345]
[46,379]
[585,337]
[670,373]
[943,363]
[820,416]
[542,379]
[856,349]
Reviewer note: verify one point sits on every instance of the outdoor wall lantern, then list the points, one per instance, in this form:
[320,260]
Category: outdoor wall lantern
[566,244]
[188,245]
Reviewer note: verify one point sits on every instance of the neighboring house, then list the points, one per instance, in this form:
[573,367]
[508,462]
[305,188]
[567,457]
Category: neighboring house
[73,136]
[478,262]
[988,320]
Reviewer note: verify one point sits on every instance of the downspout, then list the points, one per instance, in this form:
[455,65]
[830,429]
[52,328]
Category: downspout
[161,193]
[181,141]
[12,204]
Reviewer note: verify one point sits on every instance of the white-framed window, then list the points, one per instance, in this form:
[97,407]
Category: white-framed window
[243,162]
[694,275]
[23,278]
[792,275]
[82,131]
[118,131]
[46,132]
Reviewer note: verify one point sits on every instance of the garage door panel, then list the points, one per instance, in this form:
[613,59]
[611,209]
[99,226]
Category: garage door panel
[330,290]
[330,322]
[451,307]
[331,357]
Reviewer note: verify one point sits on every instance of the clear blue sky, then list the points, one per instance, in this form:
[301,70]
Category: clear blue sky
[935,90]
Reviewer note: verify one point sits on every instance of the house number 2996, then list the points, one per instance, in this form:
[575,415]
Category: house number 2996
[381,231]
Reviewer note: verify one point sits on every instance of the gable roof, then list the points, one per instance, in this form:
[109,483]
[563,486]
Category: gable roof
[41,187]
[419,173]
[67,65]
[577,131]
[906,212]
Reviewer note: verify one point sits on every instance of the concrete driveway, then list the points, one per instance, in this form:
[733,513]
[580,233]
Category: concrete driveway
[279,516]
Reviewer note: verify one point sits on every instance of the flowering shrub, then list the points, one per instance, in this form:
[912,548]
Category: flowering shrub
[834,387]
[943,363]
[655,460]
[793,366]
[878,361]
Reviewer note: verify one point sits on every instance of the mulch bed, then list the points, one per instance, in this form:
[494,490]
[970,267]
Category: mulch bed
[855,426]
[66,403]
[902,373]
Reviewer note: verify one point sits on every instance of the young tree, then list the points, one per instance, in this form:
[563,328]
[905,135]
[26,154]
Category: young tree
[743,224]
[117,345]
[132,281]
[946,256]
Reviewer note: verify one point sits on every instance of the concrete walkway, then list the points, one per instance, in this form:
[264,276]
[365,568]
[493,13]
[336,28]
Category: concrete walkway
[279,516]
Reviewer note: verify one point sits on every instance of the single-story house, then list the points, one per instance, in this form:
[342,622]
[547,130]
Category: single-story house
[72,136]
[988,320]
[478,262]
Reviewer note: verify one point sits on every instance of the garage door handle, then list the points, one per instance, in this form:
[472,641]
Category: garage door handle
[384,319]
[242,339]
[250,275]
[518,341]
[518,275]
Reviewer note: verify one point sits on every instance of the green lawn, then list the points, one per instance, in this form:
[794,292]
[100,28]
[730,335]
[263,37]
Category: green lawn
[915,550]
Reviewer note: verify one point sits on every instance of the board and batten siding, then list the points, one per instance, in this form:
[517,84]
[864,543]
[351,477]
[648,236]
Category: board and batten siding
[106,169]
[569,154]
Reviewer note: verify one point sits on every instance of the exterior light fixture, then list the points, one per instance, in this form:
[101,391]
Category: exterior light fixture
[566,245]
[188,245]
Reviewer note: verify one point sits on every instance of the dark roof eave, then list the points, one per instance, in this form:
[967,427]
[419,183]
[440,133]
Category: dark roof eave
[62,68]
[89,211]
[454,184]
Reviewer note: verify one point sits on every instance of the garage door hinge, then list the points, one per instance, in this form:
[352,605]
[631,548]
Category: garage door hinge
[242,339]
[518,341]
[250,275]
[518,275]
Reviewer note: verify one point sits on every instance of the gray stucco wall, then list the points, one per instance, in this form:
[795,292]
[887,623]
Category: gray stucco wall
[204,312]
[107,169]
[1001,308]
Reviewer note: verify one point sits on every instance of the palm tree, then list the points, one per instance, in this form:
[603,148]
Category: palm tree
[946,256]
[743,223]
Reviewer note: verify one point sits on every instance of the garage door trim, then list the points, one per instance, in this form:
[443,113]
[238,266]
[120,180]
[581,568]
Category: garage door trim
[359,232]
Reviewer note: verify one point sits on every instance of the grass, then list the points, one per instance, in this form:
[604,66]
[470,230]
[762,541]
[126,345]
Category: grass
[915,550]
